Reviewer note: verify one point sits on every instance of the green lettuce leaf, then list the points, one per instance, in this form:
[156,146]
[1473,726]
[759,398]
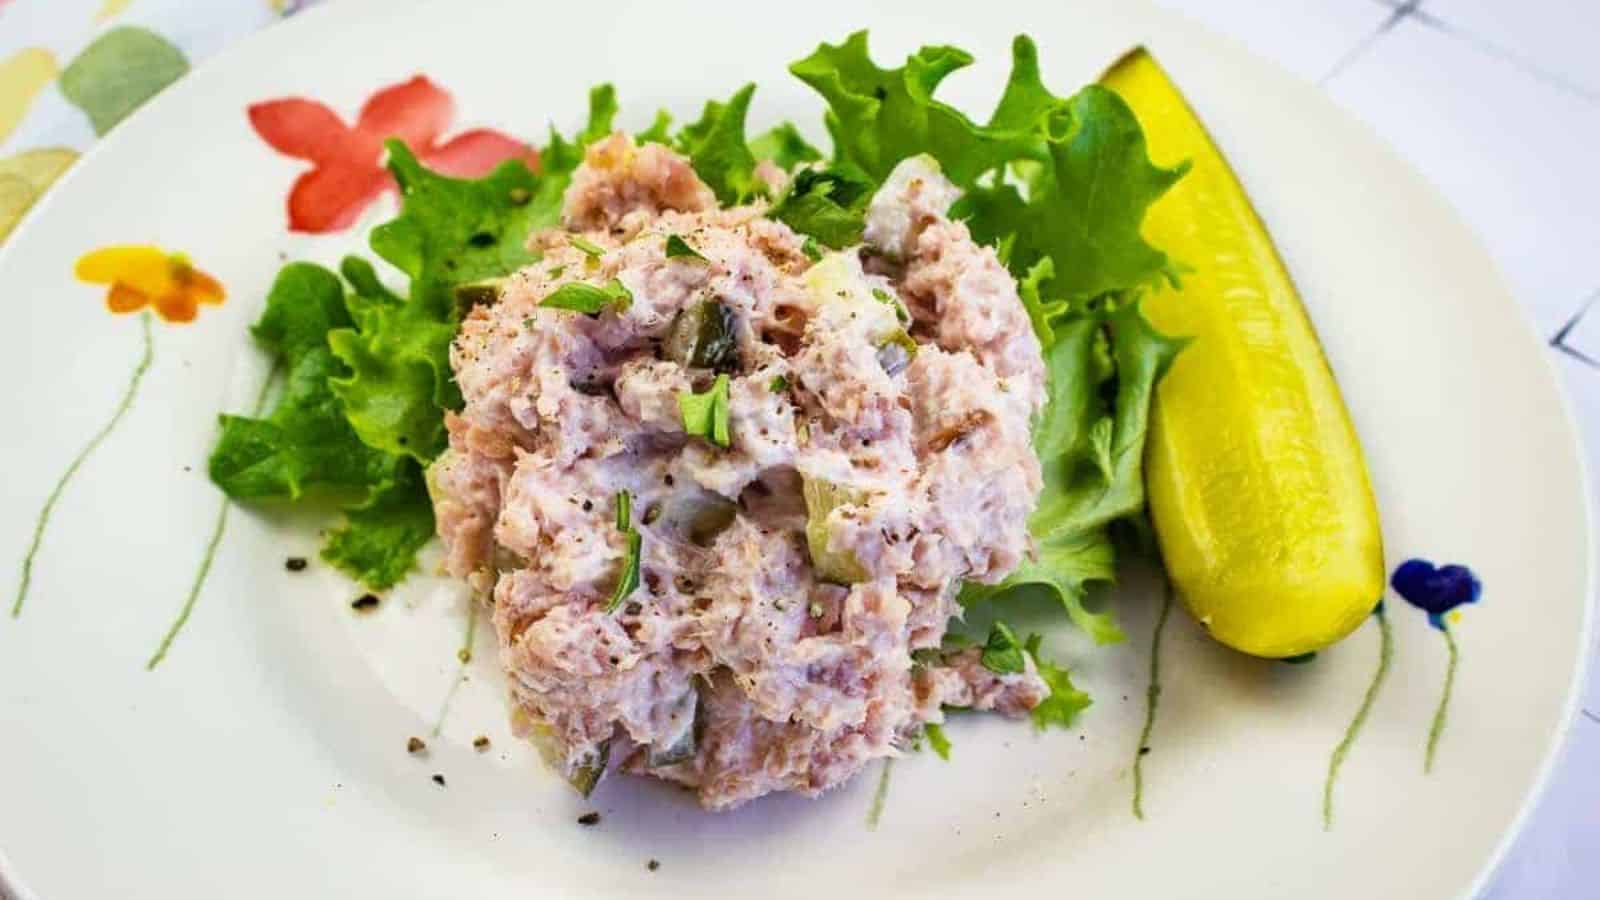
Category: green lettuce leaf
[1065,700]
[1066,179]
[561,156]
[450,232]
[1002,653]
[1091,451]
[379,542]
[1085,205]
[306,445]
[785,146]
[660,130]
[827,204]
[878,117]
[398,379]
[716,147]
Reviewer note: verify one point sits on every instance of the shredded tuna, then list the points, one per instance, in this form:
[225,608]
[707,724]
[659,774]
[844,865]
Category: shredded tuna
[736,668]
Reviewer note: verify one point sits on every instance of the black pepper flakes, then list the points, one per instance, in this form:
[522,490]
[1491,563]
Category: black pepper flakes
[1143,750]
[295,564]
[364,603]
[480,744]
[438,779]
[415,745]
[589,819]
[653,864]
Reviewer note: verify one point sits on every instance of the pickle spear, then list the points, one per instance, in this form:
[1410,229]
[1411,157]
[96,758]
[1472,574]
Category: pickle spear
[1257,487]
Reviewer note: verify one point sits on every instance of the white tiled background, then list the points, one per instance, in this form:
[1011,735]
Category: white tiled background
[1498,103]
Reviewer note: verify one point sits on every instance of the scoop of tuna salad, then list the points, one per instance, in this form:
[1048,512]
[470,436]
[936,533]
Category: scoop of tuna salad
[722,489]
[728,430]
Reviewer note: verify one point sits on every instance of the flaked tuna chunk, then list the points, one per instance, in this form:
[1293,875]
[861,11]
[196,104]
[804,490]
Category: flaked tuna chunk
[962,682]
[877,456]
[619,177]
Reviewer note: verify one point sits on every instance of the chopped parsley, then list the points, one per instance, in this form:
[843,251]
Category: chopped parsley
[1002,655]
[706,415]
[810,249]
[937,740]
[893,302]
[678,248]
[624,510]
[628,581]
[585,298]
[594,250]
[778,384]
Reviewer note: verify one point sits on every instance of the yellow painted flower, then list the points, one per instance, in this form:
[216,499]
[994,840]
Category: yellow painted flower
[145,276]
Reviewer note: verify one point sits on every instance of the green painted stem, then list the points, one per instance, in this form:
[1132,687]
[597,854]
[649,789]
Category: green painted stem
[1152,699]
[875,812]
[1437,728]
[99,437]
[1335,761]
[199,582]
[210,554]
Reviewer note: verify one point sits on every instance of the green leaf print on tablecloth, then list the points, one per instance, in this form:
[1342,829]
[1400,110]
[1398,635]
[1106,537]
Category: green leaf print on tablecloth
[119,71]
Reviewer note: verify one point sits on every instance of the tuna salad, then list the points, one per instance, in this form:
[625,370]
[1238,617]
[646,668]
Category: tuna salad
[727,433]
[868,451]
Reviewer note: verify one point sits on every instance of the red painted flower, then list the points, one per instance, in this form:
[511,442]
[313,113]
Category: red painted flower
[347,174]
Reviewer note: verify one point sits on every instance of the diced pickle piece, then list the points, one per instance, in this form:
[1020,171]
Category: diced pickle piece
[822,498]
[702,338]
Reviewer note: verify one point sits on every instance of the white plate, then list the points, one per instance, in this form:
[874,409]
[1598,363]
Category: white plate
[265,757]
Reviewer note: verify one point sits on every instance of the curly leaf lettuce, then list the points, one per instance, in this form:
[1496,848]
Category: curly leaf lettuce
[828,204]
[306,445]
[1085,204]
[1065,700]
[379,542]
[716,147]
[1091,451]
[878,117]
[561,156]
[785,146]
[449,232]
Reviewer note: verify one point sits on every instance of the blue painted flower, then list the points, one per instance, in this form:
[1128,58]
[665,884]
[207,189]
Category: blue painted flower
[1435,590]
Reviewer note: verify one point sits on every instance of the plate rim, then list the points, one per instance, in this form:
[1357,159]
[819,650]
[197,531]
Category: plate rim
[342,14]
